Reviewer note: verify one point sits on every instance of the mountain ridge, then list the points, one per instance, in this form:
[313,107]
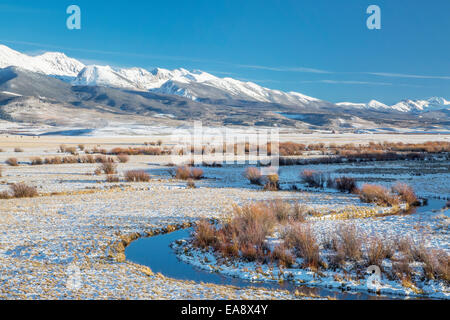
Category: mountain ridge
[59,83]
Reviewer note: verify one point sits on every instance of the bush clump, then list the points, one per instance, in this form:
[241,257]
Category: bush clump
[108,168]
[254,175]
[20,190]
[123,158]
[372,193]
[137,176]
[405,192]
[112,178]
[313,178]
[345,184]
[13,162]
[272,182]
[37,161]
[186,172]
[301,238]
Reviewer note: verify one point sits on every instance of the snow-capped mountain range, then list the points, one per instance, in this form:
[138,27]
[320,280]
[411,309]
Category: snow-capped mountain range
[195,85]
[408,105]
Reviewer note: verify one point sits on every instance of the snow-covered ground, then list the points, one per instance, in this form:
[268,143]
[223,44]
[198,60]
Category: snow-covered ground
[431,230]
[79,216]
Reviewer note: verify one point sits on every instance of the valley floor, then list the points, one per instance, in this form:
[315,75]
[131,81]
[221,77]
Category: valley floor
[79,218]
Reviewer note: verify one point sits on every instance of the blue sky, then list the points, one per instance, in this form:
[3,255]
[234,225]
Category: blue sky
[321,48]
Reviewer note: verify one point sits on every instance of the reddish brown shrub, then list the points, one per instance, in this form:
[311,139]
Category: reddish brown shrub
[108,168]
[54,160]
[112,178]
[378,250]
[123,158]
[348,243]
[283,256]
[89,159]
[204,235]
[21,190]
[196,173]
[5,195]
[186,172]
[253,175]
[36,161]
[436,265]
[104,159]
[71,159]
[190,184]
[183,173]
[291,148]
[12,162]
[372,193]
[312,178]
[249,252]
[301,238]
[137,176]
[272,183]
[405,192]
[345,184]
[402,270]
[71,150]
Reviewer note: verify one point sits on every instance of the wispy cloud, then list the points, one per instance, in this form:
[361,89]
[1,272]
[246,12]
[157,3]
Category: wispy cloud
[349,82]
[411,76]
[248,66]
[108,52]
[21,9]
[283,69]
[357,82]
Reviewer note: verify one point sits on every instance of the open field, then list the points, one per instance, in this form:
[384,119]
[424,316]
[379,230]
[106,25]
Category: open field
[79,218]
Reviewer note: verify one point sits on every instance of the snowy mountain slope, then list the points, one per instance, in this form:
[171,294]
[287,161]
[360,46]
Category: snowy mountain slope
[49,63]
[430,104]
[189,84]
[372,104]
[408,105]
[194,85]
[103,76]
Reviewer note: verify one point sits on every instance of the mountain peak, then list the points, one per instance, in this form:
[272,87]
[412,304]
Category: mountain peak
[49,63]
